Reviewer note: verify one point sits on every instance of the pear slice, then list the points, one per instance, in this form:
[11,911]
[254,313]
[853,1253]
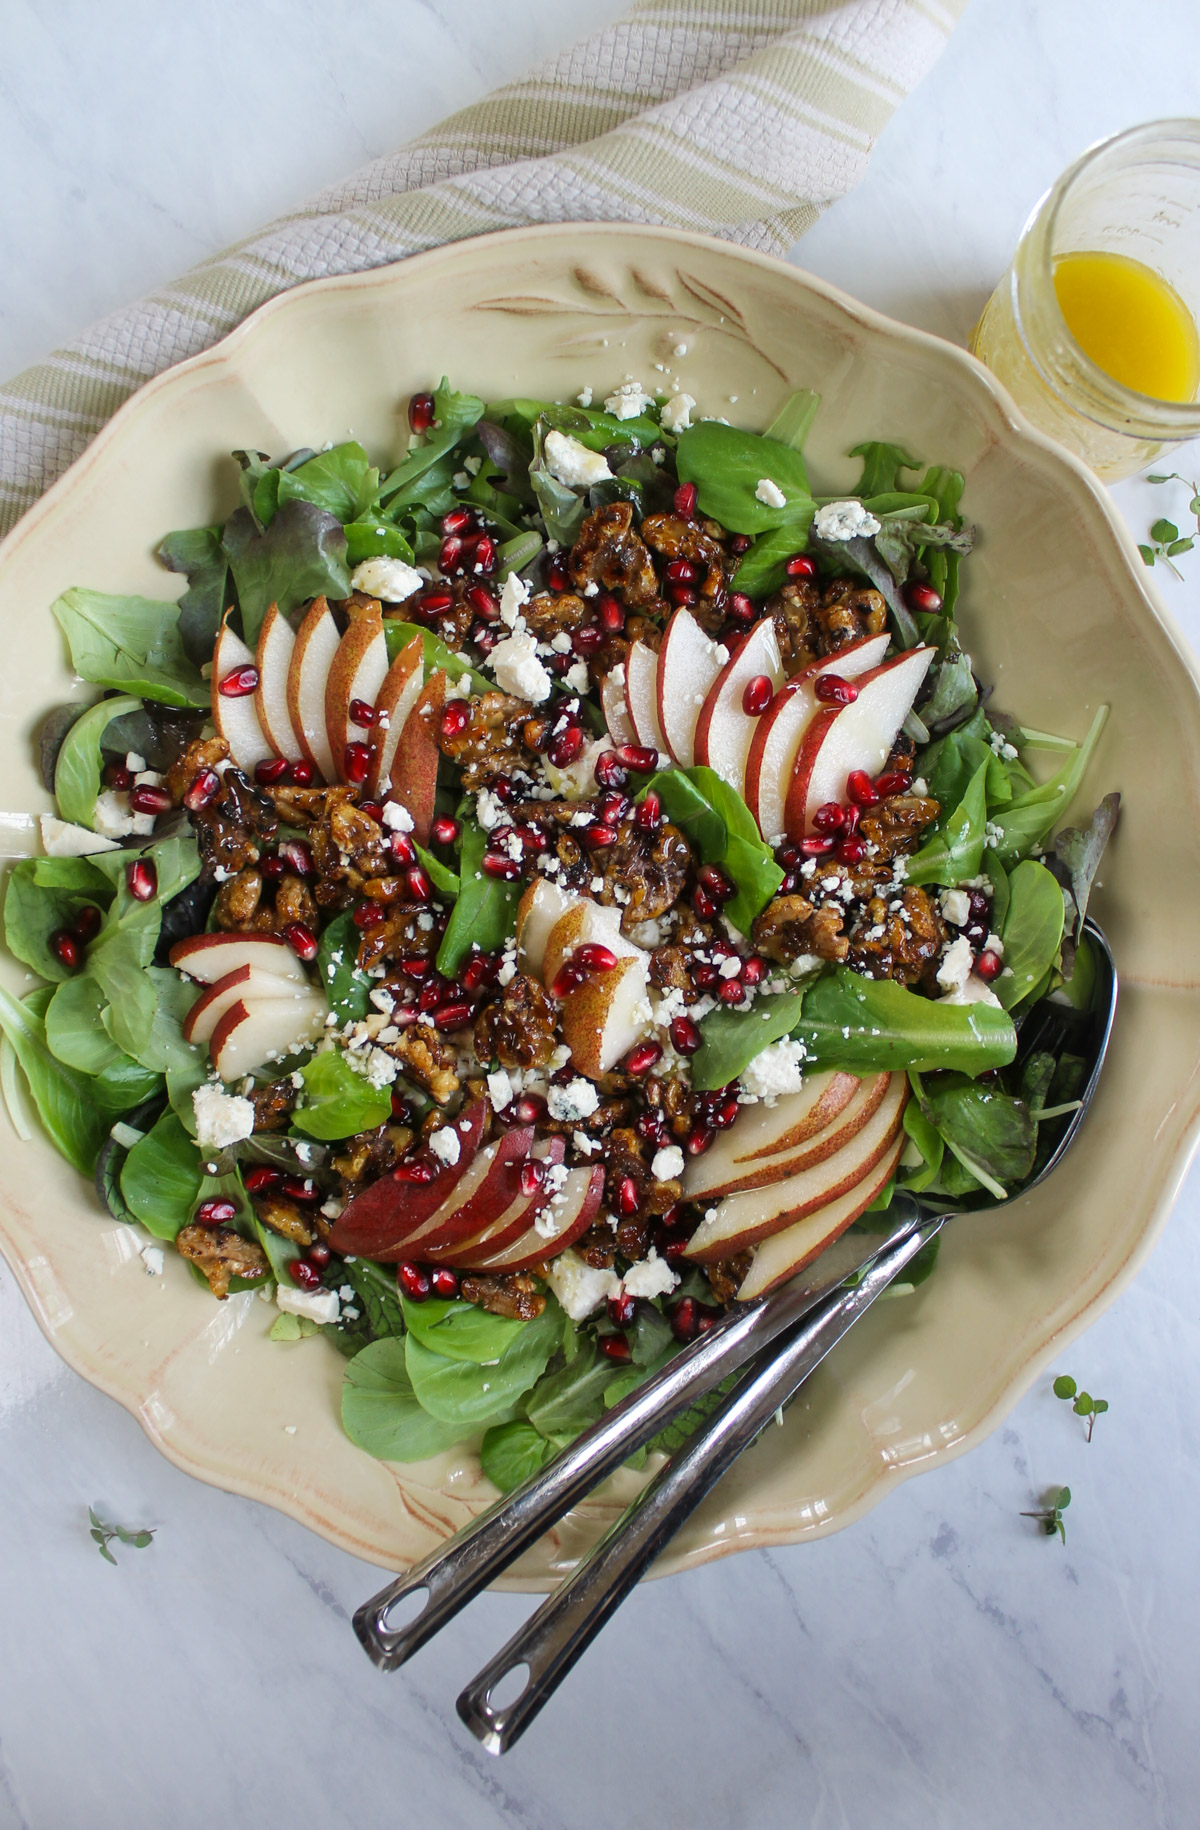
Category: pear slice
[416,758]
[779,1258]
[255,1031]
[237,719]
[209,957]
[842,739]
[374,1218]
[725,729]
[394,701]
[540,907]
[641,696]
[499,1234]
[709,1177]
[689,662]
[583,922]
[276,645]
[358,671]
[616,711]
[317,642]
[250,983]
[605,1016]
[776,742]
[564,1219]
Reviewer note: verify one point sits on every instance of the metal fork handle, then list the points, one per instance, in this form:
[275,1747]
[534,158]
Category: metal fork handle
[458,1570]
[551,1641]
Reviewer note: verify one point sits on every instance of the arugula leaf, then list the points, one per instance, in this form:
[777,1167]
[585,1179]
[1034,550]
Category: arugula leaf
[130,644]
[869,1025]
[486,910]
[380,1410]
[454,415]
[1028,819]
[954,852]
[75,1123]
[78,769]
[461,1392]
[727,465]
[301,555]
[338,1102]
[198,552]
[460,1331]
[954,694]
[730,1039]
[511,1452]
[162,1178]
[723,830]
[1032,932]
[1080,848]
[347,989]
[343,481]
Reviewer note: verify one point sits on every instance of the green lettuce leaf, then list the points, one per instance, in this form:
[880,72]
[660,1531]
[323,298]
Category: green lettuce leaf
[730,1039]
[131,644]
[302,554]
[337,1101]
[727,466]
[80,762]
[873,1025]
[485,913]
[380,1410]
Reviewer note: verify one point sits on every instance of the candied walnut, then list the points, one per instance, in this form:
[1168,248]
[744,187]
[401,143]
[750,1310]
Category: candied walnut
[669,972]
[293,902]
[490,746]
[305,807]
[610,1112]
[848,611]
[789,927]
[273,1105]
[400,936]
[676,538]
[597,1247]
[904,944]
[670,1096]
[610,554]
[727,1275]
[243,804]
[238,900]
[368,1155]
[518,1029]
[427,1060]
[644,872]
[360,838]
[221,1254]
[515,1296]
[205,753]
[895,826]
[633,1235]
[904,751]
[284,1217]
[793,610]
[623,1160]
[552,613]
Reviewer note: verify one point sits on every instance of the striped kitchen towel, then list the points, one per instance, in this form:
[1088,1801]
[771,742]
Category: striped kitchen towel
[741,118]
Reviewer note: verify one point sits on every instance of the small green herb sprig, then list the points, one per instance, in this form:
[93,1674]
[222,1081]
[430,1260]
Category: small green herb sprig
[1166,542]
[1050,1515]
[103,1536]
[1083,1405]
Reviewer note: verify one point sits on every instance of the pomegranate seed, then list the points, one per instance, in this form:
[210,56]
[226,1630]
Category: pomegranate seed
[455,718]
[923,597]
[598,835]
[616,1347]
[416,969]
[484,638]
[612,808]
[685,1037]
[368,915]
[801,566]
[732,991]
[373,811]
[593,956]
[819,847]
[495,864]
[485,554]
[753,969]
[141,879]
[402,848]
[362,712]
[647,817]
[831,689]
[790,855]
[716,882]
[204,790]
[301,939]
[653,1127]
[433,603]
[609,770]
[533,1175]
[682,595]
[707,907]
[621,1309]
[401,1110]
[444,1282]
[272,867]
[989,966]
[556,573]
[117,776]
[725,1114]
[87,923]
[861,789]
[639,757]
[318,1255]
[894,782]
[145,799]
[850,817]
[445,830]
[239,683]
[529,1108]
[852,849]
[698,1140]
[586,641]
[757,696]
[418,884]
[418,1170]
[215,1212]
[685,1319]
[356,762]
[610,613]
[457,521]
[432,994]
[568,978]
[829,818]
[682,571]
[740,607]
[267,773]
[414,1282]
[672,1248]
[449,553]
[705,977]
[302,774]
[297,855]
[482,602]
[455,1015]
[262,1180]
[564,749]
[642,1057]
[685,500]
[301,1188]
[65,949]
[420,412]
[740,543]
[627,1196]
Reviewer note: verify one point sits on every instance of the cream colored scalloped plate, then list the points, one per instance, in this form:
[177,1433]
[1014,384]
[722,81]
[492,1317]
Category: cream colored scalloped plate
[1056,611]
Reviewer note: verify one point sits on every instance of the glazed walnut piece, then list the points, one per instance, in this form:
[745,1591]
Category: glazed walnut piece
[848,611]
[489,748]
[903,944]
[518,1030]
[516,1296]
[284,1217]
[221,1254]
[790,927]
[644,872]
[895,826]
[427,1060]
[609,554]
[553,613]
[793,611]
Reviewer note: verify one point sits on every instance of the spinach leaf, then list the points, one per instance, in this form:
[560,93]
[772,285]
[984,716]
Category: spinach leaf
[461,1392]
[882,464]
[198,552]
[124,947]
[165,1049]
[723,830]
[35,908]
[928,1140]
[730,1039]
[131,644]
[486,910]
[347,989]
[562,508]
[460,1331]
[454,415]
[727,466]
[953,693]
[78,769]
[763,569]
[380,1411]
[564,1403]
[445,881]
[511,1452]
[74,1031]
[342,481]
[63,1096]
[1032,932]
[337,1101]
[376,1298]
[869,1025]
[1080,848]
[954,852]
[375,538]
[302,554]
[992,1134]
[1027,820]
[162,1178]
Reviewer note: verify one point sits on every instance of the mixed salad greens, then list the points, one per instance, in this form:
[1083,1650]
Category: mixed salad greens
[511,562]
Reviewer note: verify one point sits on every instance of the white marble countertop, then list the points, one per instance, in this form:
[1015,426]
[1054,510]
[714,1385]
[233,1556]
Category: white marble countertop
[938,1664]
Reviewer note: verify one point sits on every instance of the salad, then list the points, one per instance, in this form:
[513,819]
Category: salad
[512,907]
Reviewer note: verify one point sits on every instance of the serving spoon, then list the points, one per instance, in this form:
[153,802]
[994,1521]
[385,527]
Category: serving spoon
[786,1334]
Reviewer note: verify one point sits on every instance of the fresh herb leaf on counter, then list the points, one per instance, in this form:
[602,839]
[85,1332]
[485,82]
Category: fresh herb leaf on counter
[1083,1405]
[1050,1514]
[103,1535]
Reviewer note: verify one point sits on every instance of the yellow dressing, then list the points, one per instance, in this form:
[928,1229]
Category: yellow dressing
[1130,322]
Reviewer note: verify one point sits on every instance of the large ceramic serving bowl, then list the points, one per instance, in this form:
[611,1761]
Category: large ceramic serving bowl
[1056,612]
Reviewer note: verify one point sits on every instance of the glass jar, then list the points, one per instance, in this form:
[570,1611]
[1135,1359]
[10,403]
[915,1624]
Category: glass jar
[1135,195]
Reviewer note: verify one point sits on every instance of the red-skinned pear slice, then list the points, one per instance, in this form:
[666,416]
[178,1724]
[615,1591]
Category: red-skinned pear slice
[250,983]
[359,669]
[488,1189]
[605,1016]
[515,1220]
[317,642]
[843,738]
[641,695]
[541,906]
[276,646]
[616,711]
[776,742]
[564,1219]
[373,1218]
[763,1130]
[254,1031]
[724,729]
[396,697]
[237,719]
[716,1173]
[689,662]
[209,957]
[416,758]
[742,1220]
[779,1258]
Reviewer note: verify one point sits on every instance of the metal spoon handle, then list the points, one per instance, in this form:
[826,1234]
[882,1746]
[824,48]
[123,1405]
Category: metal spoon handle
[458,1570]
[568,1620]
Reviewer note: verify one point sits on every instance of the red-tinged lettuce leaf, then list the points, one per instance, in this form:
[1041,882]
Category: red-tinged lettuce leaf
[300,556]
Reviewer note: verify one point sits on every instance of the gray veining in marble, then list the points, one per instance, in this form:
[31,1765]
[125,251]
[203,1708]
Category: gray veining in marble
[937,1666]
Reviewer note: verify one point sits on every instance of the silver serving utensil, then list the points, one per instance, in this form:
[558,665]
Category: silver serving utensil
[810,1318]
